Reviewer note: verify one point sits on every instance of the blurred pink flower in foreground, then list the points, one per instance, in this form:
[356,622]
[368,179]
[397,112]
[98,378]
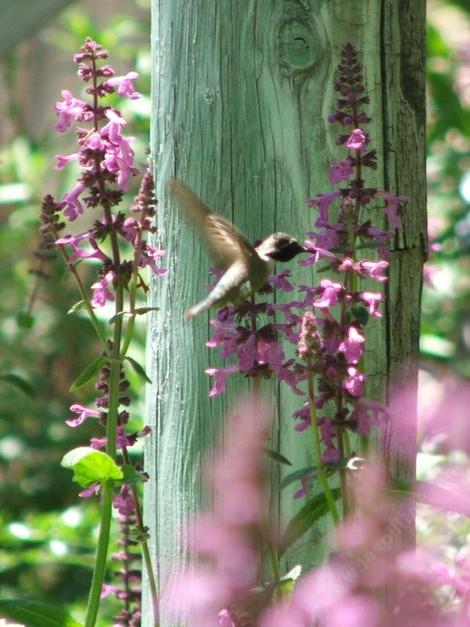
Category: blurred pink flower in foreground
[226,539]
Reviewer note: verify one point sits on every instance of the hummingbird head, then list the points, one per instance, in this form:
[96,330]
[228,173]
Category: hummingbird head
[280,247]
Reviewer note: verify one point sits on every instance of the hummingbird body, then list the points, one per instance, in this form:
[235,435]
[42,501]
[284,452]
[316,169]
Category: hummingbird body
[245,267]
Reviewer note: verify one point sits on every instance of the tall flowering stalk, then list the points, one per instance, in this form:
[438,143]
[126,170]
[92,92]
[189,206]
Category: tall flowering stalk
[116,241]
[327,322]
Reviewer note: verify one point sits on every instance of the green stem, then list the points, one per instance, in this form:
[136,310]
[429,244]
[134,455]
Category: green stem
[273,562]
[101,556]
[81,288]
[317,451]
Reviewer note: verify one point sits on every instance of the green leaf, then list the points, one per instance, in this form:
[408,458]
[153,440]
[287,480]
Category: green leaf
[120,314]
[36,614]
[138,369]
[143,310]
[137,312]
[78,305]
[91,466]
[24,320]
[314,509]
[89,373]
[277,457]
[295,476]
[19,383]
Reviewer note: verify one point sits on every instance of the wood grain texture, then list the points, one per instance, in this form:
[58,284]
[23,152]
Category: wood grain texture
[241,94]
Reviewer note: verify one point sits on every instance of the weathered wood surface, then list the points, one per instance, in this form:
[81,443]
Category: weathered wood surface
[241,95]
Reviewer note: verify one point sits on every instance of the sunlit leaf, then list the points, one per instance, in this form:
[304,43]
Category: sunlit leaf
[91,466]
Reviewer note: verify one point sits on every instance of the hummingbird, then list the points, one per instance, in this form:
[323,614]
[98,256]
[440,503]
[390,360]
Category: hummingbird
[245,267]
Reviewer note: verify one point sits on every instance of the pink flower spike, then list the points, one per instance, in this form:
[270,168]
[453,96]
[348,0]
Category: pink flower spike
[357,140]
[83,413]
[125,85]
[101,293]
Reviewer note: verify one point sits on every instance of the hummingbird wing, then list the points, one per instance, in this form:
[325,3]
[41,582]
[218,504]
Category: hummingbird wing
[224,241]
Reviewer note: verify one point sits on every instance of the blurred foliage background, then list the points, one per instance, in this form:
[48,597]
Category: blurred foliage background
[47,534]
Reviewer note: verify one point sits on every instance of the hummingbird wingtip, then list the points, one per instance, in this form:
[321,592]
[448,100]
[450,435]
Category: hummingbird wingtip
[188,314]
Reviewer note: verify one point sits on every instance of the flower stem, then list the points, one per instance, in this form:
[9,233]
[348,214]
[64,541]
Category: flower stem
[101,556]
[317,451]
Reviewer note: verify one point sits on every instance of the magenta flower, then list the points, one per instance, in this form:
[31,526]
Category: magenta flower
[83,413]
[63,160]
[353,345]
[68,110]
[391,207]
[124,84]
[323,202]
[372,300]
[220,375]
[340,171]
[101,291]
[375,269]
[73,206]
[354,382]
[330,293]
[357,140]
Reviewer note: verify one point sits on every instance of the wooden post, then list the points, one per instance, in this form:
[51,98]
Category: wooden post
[242,90]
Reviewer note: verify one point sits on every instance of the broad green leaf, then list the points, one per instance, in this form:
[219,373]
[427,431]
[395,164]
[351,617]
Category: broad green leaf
[296,476]
[91,466]
[138,369]
[19,383]
[36,614]
[314,509]
[277,457]
[89,373]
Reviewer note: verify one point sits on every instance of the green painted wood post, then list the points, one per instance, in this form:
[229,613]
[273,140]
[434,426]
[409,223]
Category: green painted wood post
[241,94]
